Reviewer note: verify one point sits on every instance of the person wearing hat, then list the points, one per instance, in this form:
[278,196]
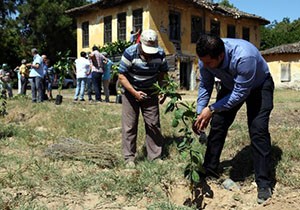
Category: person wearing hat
[142,65]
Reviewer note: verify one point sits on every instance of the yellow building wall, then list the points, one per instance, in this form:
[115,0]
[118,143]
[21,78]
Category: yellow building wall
[159,21]
[275,62]
[96,23]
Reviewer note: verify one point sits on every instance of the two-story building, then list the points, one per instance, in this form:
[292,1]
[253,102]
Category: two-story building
[178,23]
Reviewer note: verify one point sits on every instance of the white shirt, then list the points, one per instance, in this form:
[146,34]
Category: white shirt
[82,67]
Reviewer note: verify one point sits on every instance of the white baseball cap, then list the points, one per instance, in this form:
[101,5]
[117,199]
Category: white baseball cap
[149,41]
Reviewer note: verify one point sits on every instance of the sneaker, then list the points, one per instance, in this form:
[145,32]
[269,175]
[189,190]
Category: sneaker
[130,164]
[76,99]
[82,99]
[263,194]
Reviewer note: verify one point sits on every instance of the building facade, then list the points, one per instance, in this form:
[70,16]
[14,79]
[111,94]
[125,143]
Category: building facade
[178,23]
[284,64]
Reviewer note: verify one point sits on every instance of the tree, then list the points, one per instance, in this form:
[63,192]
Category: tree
[278,33]
[8,31]
[226,3]
[46,26]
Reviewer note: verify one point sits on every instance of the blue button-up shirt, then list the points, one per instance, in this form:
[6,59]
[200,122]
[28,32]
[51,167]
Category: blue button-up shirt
[242,70]
[39,72]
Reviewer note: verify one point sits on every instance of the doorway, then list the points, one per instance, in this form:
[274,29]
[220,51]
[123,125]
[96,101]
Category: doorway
[185,75]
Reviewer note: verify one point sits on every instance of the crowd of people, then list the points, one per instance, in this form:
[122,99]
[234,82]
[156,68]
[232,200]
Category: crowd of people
[91,69]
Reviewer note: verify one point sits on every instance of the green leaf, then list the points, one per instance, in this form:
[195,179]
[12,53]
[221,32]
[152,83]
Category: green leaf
[179,113]
[170,107]
[175,123]
[195,176]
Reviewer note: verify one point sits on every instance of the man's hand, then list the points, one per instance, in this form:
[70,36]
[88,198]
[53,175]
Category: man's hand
[140,96]
[202,120]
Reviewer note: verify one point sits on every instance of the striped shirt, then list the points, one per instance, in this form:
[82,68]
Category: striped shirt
[140,73]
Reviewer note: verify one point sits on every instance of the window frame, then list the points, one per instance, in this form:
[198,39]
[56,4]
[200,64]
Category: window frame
[215,27]
[107,29]
[195,32]
[121,17]
[137,19]
[85,34]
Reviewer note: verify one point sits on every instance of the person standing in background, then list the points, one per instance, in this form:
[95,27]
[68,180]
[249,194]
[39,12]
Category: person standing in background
[82,70]
[36,76]
[6,78]
[24,74]
[106,76]
[97,70]
[51,78]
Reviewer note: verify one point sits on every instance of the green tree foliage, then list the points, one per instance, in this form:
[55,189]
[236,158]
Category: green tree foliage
[226,3]
[42,24]
[46,26]
[278,33]
[9,44]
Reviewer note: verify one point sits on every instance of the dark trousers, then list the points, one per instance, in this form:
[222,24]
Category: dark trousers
[130,118]
[259,106]
[97,79]
[24,82]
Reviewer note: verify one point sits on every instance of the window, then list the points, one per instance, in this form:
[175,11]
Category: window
[122,26]
[246,33]
[174,26]
[107,29]
[285,72]
[231,31]
[85,34]
[137,19]
[196,28]
[215,27]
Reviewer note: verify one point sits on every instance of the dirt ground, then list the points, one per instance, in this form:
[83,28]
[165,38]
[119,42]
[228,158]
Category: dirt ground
[240,199]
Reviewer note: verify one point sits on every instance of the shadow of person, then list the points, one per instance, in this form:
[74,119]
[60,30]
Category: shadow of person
[241,166]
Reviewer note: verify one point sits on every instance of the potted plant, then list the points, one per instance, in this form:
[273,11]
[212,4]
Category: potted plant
[62,66]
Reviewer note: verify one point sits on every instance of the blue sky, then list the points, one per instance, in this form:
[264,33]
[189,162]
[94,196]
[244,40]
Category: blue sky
[270,9]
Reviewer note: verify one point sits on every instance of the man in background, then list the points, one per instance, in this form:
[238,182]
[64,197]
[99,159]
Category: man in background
[36,76]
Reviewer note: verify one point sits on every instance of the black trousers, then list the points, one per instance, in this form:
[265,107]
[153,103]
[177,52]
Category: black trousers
[259,106]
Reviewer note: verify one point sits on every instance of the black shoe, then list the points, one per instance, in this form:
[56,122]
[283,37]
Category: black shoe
[263,194]
[82,99]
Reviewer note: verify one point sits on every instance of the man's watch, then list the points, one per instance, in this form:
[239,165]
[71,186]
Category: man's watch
[211,109]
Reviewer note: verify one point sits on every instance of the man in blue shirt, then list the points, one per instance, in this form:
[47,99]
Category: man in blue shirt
[141,66]
[245,77]
[36,76]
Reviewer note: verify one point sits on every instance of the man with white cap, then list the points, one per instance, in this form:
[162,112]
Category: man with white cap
[142,65]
